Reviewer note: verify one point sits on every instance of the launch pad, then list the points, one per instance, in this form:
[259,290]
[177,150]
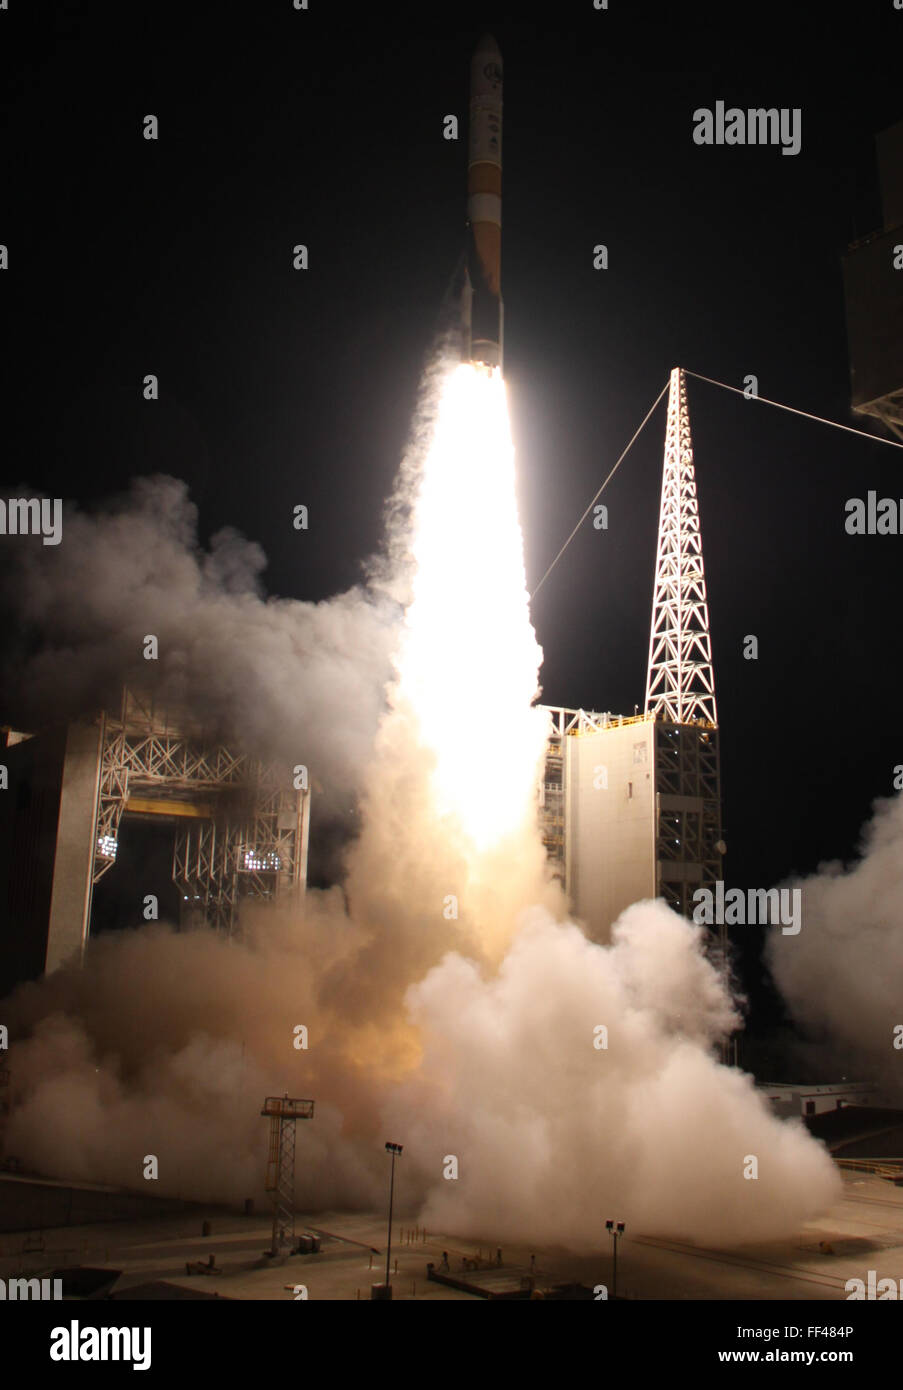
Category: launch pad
[143,1253]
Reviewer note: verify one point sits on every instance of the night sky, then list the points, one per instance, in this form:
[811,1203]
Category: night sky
[281,387]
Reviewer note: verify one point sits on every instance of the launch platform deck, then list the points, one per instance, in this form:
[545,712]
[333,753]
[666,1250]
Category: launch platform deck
[863,1232]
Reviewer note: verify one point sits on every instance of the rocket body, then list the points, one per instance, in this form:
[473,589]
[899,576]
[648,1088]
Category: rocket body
[483,291]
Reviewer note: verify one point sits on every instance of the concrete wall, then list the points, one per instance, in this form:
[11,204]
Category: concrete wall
[27,1205]
[70,898]
[610,830]
[29,812]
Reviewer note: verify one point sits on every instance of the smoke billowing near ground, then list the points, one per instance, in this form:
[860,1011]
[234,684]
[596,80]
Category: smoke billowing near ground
[842,975]
[535,1078]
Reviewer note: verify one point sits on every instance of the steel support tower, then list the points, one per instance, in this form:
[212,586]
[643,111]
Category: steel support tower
[680,680]
[680,683]
[283,1111]
[630,808]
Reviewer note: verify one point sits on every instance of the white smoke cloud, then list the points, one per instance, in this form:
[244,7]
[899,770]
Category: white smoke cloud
[551,1133]
[277,676]
[167,1043]
[842,975]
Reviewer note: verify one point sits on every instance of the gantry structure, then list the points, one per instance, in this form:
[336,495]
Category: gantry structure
[630,808]
[680,678]
[680,681]
[240,826]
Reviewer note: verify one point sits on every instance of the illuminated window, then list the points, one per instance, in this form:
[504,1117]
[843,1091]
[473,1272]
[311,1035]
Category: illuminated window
[257,862]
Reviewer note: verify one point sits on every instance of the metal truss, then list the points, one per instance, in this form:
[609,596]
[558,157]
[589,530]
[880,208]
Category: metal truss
[680,683]
[552,808]
[253,841]
[113,794]
[581,721]
[551,792]
[688,820]
[888,409]
[218,862]
[283,1111]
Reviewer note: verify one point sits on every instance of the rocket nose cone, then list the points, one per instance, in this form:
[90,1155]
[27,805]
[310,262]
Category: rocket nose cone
[488,45]
[486,69]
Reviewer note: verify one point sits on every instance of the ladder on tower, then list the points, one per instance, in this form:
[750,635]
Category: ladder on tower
[283,1112]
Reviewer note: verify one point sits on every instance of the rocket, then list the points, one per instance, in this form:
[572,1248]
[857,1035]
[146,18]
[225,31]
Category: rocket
[483,311]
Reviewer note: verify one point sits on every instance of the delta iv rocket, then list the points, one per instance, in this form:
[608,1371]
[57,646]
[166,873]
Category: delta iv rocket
[483,284]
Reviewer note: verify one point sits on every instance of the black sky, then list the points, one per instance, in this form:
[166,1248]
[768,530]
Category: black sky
[279,387]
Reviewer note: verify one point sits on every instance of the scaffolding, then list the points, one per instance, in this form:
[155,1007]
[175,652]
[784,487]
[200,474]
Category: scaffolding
[241,827]
[283,1112]
[688,812]
[680,682]
[552,809]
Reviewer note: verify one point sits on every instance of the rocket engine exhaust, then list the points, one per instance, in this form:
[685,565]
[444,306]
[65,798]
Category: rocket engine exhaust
[483,312]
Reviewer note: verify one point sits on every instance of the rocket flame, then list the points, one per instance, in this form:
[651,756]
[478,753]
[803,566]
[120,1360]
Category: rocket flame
[469,662]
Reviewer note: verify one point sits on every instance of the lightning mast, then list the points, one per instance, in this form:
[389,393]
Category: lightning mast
[680,681]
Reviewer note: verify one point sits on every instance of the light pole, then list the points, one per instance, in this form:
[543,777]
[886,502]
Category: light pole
[615,1230]
[395,1151]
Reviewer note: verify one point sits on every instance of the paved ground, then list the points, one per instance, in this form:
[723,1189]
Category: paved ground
[864,1231]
